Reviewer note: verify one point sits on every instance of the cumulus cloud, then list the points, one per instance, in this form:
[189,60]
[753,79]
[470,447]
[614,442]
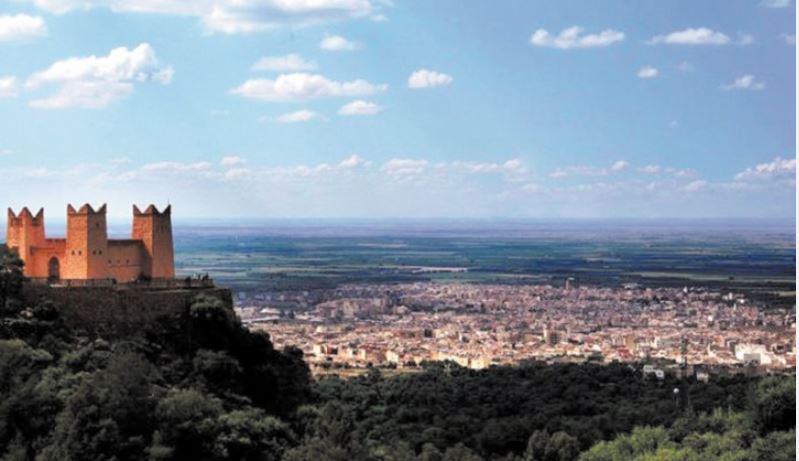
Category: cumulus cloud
[337,43]
[232,160]
[353,161]
[572,37]
[424,78]
[21,27]
[231,16]
[8,87]
[96,81]
[360,107]
[745,82]
[647,72]
[778,168]
[304,86]
[691,36]
[289,63]
[298,116]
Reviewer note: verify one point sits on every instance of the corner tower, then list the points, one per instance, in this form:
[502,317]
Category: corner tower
[23,232]
[154,229]
[87,243]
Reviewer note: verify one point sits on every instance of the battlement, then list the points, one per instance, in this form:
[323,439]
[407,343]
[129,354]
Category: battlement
[86,253]
[152,211]
[86,209]
[25,215]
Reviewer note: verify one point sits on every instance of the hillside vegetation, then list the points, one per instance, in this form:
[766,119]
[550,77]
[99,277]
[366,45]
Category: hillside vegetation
[200,386]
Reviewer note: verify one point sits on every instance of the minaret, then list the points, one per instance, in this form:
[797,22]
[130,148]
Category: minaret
[154,229]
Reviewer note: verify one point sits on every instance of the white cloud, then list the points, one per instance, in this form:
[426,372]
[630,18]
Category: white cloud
[304,86]
[236,174]
[778,168]
[745,82]
[674,124]
[512,166]
[694,186]
[337,43]
[94,82]
[647,72]
[790,39]
[21,27]
[232,160]
[353,161]
[746,39]
[404,167]
[360,107]
[532,187]
[619,166]
[685,66]
[168,167]
[231,16]
[776,3]
[681,173]
[6,152]
[298,116]
[583,170]
[8,87]
[571,38]
[691,36]
[424,78]
[288,63]
[675,172]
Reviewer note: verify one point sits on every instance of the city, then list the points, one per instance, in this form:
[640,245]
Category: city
[479,325]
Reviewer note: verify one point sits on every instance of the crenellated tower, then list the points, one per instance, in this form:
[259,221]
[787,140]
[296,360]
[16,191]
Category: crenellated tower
[154,230]
[24,232]
[86,243]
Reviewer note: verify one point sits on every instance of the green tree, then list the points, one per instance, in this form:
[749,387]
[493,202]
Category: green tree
[187,426]
[773,404]
[777,446]
[561,447]
[251,435]
[11,277]
[109,416]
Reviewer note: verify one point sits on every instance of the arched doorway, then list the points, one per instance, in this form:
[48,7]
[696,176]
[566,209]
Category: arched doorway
[53,269]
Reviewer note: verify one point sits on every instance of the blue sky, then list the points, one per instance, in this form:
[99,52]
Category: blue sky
[372,108]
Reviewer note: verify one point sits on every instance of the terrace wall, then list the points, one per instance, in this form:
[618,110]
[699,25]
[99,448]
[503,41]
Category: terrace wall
[118,310]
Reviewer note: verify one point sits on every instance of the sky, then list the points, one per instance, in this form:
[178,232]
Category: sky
[400,109]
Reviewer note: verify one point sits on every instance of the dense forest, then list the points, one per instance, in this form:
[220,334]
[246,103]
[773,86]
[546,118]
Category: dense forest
[200,386]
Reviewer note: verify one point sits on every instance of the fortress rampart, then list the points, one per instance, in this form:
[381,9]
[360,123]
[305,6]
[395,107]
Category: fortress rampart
[121,309]
[87,253]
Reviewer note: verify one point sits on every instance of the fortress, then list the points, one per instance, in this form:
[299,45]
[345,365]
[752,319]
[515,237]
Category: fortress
[87,253]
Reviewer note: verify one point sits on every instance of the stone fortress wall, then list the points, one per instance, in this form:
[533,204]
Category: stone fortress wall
[87,253]
[118,310]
